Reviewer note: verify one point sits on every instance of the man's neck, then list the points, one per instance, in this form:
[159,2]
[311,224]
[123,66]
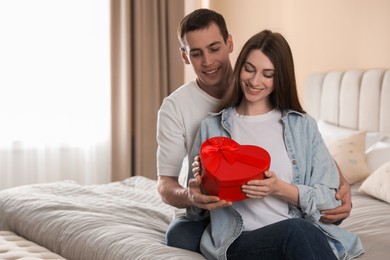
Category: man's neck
[216,91]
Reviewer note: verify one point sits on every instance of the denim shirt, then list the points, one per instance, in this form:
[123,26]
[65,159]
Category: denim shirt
[314,173]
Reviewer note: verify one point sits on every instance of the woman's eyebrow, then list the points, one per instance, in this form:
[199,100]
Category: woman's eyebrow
[253,66]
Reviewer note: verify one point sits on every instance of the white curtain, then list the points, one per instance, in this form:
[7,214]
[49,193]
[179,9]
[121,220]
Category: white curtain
[54,91]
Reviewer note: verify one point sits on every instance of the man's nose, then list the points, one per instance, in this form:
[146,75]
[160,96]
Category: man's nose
[207,59]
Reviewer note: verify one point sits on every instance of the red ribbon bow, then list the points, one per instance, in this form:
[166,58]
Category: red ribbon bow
[218,148]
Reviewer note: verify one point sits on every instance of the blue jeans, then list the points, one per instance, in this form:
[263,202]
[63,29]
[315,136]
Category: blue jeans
[288,239]
[186,234]
[294,238]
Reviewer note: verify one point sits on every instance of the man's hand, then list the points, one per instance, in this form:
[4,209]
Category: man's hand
[342,212]
[201,200]
[195,192]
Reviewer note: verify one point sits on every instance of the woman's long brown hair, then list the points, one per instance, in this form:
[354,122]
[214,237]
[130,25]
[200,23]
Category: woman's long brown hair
[276,48]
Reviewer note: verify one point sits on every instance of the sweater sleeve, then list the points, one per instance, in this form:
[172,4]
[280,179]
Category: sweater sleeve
[171,133]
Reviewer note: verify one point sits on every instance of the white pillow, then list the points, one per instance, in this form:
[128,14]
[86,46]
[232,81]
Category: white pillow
[349,153]
[378,183]
[331,132]
[377,155]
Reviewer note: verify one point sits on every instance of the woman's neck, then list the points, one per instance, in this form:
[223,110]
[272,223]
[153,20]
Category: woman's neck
[249,109]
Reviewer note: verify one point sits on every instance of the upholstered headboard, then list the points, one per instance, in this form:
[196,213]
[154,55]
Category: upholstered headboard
[353,99]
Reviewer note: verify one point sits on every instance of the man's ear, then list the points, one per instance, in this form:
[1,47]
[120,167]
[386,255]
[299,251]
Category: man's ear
[184,56]
[229,43]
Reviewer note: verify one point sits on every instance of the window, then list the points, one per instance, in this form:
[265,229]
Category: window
[54,89]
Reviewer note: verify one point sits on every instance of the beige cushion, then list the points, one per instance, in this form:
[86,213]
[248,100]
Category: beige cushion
[332,132]
[378,183]
[349,153]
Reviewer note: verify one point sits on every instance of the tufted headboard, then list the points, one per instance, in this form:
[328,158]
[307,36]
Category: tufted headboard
[354,99]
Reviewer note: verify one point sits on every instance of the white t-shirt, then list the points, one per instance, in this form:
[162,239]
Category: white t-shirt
[178,122]
[265,131]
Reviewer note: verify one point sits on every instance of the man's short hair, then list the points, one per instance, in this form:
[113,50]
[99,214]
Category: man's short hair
[201,19]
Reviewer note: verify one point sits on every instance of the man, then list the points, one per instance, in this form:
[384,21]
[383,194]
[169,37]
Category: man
[206,44]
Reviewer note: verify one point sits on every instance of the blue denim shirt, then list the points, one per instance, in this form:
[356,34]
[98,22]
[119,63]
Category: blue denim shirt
[314,173]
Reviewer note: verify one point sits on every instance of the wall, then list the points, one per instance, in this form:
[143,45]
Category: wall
[189,6]
[323,34]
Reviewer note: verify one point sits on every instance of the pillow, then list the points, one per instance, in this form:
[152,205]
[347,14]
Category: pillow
[331,132]
[377,155]
[378,183]
[349,153]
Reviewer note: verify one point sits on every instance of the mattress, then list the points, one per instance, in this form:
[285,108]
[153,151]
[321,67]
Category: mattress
[13,246]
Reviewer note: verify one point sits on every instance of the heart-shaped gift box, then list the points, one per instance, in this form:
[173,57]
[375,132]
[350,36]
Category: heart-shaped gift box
[227,165]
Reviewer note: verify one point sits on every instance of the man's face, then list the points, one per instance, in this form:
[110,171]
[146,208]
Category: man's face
[209,56]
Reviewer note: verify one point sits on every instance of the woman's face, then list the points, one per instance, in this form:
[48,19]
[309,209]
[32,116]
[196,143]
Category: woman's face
[257,78]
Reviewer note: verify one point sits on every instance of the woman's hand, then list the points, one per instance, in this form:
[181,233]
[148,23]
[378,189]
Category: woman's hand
[197,166]
[259,189]
[271,185]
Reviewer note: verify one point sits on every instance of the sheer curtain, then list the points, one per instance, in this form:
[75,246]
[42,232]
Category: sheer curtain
[54,91]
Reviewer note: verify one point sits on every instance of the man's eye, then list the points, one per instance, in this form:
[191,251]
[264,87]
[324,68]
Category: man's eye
[214,49]
[195,53]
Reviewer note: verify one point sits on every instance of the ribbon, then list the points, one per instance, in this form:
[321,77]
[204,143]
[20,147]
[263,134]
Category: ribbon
[217,149]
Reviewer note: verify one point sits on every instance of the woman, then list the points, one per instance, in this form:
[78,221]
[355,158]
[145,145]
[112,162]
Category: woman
[280,218]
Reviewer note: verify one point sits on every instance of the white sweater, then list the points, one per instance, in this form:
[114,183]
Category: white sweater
[178,122]
[265,131]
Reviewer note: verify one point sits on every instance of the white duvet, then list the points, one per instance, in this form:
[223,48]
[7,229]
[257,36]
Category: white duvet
[127,220]
[119,220]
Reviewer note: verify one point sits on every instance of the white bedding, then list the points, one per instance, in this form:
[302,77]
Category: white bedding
[127,220]
[120,220]
[370,219]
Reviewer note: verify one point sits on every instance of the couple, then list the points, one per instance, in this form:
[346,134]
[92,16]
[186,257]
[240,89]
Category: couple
[289,214]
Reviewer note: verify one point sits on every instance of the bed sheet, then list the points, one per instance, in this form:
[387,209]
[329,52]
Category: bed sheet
[370,219]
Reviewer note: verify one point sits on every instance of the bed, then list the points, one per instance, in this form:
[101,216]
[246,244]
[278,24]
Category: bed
[127,219]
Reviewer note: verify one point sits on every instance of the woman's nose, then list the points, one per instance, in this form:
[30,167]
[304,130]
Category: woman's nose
[256,79]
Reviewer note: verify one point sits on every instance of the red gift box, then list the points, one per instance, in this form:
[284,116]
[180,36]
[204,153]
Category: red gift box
[227,165]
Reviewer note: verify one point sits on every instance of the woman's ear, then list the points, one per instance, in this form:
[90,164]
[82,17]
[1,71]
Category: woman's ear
[184,56]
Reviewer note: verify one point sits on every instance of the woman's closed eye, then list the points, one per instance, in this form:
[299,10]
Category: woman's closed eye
[249,68]
[268,76]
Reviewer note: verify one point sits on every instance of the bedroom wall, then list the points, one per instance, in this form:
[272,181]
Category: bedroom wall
[323,34]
